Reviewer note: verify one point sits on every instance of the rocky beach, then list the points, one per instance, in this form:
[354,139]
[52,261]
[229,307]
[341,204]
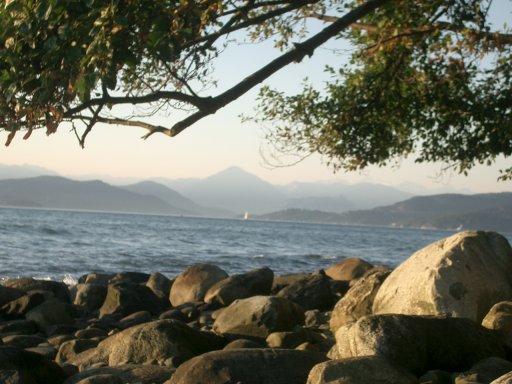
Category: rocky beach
[442,316]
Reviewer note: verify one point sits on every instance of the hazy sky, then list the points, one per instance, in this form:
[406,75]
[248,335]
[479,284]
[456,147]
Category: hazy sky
[221,140]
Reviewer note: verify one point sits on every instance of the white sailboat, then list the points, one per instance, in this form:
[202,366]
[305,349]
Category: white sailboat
[246,215]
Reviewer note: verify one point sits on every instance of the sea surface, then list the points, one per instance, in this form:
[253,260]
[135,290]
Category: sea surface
[64,245]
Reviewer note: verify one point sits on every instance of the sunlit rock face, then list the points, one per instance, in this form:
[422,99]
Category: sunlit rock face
[462,276]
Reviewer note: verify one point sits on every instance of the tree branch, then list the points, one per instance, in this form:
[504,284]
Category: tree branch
[295,55]
[130,123]
[196,101]
[229,27]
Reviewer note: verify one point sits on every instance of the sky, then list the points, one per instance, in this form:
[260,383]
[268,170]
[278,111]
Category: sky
[222,140]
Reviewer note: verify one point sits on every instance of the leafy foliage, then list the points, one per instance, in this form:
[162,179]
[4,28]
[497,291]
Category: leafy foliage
[429,78]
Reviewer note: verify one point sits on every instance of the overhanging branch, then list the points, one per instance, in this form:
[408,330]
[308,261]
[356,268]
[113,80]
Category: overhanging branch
[295,55]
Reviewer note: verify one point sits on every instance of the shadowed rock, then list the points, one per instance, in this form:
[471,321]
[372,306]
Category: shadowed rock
[419,343]
[161,342]
[125,299]
[310,292]
[59,289]
[360,370]
[248,366]
[257,282]
[358,301]
[31,367]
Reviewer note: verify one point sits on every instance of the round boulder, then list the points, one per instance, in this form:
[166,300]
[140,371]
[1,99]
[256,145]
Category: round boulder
[193,283]
[499,319]
[161,342]
[253,283]
[310,292]
[358,300]
[258,317]
[248,366]
[348,269]
[90,296]
[360,370]
[462,276]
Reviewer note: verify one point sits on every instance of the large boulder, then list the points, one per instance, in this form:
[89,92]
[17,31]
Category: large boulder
[59,289]
[419,343]
[193,283]
[129,278]
[311,292]
[8,294]
[161,286]
[360,370]
[161,342]
[90,296]
[258,316]
[18,307]
[71,348]
[51,313]
[499,319]
[348,269]
[29,366]
[129,373]
[463,276]
[358,301]
[253,283]
[485,371]
[126,298]
[248,366]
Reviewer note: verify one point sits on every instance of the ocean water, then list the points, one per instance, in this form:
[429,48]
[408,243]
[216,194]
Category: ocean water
[63,245]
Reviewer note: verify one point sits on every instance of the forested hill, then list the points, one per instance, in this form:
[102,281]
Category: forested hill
[490,211]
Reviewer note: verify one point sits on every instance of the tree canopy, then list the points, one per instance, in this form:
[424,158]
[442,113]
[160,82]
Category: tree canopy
[427,78]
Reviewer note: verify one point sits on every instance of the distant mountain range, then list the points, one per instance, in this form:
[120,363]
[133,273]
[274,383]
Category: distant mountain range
[491,211]
[232,192]
[237,190]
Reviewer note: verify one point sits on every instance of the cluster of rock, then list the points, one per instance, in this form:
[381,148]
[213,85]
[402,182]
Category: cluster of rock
[443,316]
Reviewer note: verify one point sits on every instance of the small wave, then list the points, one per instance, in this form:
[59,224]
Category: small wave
[258,257]
[313,256]
[54,232]
[329,257]
[69,280]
